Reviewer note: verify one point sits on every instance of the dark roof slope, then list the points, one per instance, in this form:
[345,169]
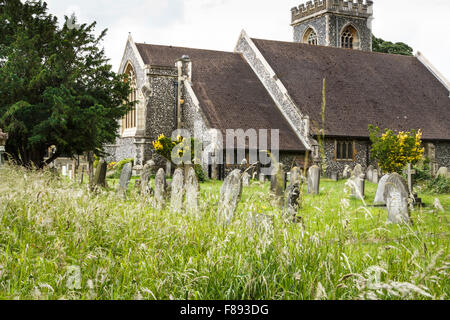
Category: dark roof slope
[230,94]
[362,88]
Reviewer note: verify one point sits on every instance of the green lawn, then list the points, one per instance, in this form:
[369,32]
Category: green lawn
[51,228]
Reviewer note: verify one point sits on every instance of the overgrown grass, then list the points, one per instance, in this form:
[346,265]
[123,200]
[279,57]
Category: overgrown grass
[126,250]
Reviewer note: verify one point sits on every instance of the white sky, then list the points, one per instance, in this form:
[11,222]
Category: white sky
[216,24]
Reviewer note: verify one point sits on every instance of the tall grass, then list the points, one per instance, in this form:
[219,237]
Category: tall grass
[52,230]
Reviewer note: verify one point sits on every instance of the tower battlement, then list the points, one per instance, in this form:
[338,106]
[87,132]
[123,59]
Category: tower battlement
[363,8]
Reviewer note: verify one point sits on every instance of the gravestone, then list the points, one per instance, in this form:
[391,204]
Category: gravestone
[145,177]
[410,174]
[347,172]
[100,175]
[277,180]
[3,138]
[442,172]
[375,176]
[437,205]
[160,189]
[64,171]
[296,176]
[397,195]
[262,178]
[245,179]
[291,202]
[380,200]
[313,180]
[230,195]
[334,176]
[358,183]
[177,192]
[124,180]
[369,173]
[192,188]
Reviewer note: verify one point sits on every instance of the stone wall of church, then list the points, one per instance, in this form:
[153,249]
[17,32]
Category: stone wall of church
[443,154]
[319,25]
[362,156]
[124,148]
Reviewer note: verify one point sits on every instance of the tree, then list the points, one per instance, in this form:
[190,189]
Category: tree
[380,45]
[56,86]
[394,151]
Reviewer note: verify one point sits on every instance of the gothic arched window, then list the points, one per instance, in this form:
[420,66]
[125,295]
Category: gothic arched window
[310,37]
[349,38]
[129,121]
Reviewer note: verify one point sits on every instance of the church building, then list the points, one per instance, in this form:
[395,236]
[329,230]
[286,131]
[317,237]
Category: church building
[274,85]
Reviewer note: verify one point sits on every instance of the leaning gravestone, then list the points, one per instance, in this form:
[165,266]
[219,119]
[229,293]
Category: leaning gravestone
[160,189]
[125,177]
[357,183]
[380,200]
[230,194]
[313,180]
[100,175]
[245,179]
[397,195]
[192,188]
[145,177]
[291,202]
[177,192]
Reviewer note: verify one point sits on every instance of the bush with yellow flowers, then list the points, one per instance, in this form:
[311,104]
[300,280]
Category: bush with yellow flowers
[164,146]
[393,151]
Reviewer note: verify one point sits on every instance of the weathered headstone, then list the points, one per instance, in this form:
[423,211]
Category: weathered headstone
[375,176]
[334,176]
[347,172]
[357,182]
[296,176]
[145,177]
[124,180]
[291,202]
[100,175]
[160,189]
[177,192]
[230,194]
[245,179]
[192,188]
[277,180]
[380,200]
[369,173]
[262,178]
[64,171]
[437,205]
[313,180]
[397,195]
[442,172]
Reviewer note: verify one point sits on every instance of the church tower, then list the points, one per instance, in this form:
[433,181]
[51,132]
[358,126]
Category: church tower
[334,23]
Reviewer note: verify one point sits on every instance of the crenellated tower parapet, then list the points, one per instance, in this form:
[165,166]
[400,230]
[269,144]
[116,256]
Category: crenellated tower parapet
[362,8]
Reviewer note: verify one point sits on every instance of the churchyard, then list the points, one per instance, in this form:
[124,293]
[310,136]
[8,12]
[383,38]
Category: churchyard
[246,240]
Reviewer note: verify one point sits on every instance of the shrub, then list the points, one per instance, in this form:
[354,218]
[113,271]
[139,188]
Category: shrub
[119,166]
[439,185]
[201,176]
[164,147]
[422,171]
[394,151]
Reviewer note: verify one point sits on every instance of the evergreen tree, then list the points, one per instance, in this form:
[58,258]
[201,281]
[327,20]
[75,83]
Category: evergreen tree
[56,85]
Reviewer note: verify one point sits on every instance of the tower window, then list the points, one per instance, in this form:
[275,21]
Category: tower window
[311,37]
[349,38]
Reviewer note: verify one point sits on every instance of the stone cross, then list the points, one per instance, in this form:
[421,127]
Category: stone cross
[397,196]
[380,200]
[160,189]
[192,189]
[3,138]
[230,195]
[124,180]
[177,192]
[313,180]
